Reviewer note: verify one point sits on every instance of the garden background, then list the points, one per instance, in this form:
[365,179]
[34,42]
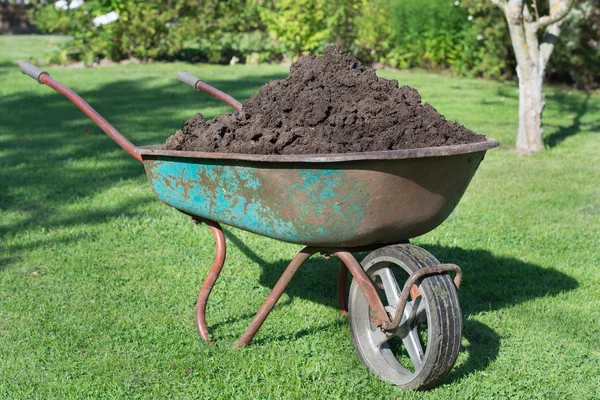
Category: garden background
[98,279]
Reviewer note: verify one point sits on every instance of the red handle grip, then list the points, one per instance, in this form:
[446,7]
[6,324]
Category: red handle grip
[43,77]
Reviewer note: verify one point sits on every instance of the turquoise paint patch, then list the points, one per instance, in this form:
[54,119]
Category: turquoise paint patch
[328,184]
[211,191]
[237,195]
[319,184]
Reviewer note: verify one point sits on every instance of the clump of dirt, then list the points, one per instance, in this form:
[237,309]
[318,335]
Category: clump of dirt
[328,104]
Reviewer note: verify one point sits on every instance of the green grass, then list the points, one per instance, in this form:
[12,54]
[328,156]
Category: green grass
[98,279]
[28,47]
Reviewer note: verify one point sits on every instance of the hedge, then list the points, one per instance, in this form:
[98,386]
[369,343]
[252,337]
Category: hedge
[467,37]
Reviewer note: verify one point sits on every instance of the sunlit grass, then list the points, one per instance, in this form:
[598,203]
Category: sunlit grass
[98,279]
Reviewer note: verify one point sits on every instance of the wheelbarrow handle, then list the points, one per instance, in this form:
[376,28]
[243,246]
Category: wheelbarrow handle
[192,81]
[31,70]
[43,77]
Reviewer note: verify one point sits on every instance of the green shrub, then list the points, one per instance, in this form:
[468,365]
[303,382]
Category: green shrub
[576,57]
[375,39]
[433,34]
[468,37]
[494,56]
[218,30]
[303,26]
[214,31]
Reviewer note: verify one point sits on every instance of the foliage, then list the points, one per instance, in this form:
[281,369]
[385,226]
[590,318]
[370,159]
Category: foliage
[576,56]
[494,57]
[375,37]
[430,34]
[300,25]
[215,32]
[310,25]
[467,36]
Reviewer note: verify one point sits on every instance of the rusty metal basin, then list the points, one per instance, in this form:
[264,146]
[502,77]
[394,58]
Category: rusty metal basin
[333,200]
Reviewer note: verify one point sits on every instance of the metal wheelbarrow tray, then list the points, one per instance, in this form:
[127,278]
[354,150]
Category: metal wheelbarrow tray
[335,204]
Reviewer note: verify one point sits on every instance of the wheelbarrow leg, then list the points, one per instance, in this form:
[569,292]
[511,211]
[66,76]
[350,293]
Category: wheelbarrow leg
[342,293]
[379,316]
[210,280]
[275,294]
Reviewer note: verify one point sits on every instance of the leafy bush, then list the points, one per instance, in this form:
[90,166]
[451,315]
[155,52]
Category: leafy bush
[214,31]
[576,57]
[134,35]
[437,34]
[429,33]
[304,26]
[375,39]
[494,57]
[218,30]
[467,36]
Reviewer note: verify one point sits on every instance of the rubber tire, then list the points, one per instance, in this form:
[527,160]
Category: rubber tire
[444,319]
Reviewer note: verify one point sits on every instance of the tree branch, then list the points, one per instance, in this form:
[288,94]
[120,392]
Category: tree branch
[531,37]
[537,14]
[558,10]
[514,16]
[514,12]
[547,43]
[526,13]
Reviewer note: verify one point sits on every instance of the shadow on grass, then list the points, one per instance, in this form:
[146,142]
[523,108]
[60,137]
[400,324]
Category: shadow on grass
[577,108]
[494,282]
[565,103]
[6,261]
[6,65]
[52,156]
[340,324]
[489,283]
[482,348]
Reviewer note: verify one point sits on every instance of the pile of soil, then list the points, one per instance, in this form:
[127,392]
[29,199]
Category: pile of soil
[328,104]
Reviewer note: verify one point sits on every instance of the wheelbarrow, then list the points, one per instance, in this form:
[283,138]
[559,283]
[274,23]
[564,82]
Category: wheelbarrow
[403,310]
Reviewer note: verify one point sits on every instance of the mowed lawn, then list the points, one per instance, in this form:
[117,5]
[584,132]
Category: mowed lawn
[98,279]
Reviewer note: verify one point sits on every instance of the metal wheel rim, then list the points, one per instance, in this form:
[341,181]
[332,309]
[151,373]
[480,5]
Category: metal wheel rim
[375,343]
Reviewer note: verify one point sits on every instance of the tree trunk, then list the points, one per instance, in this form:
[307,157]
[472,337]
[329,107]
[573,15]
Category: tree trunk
[531,105]
[532,57]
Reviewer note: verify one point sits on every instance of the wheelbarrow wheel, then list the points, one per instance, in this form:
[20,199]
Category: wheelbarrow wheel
[422,350]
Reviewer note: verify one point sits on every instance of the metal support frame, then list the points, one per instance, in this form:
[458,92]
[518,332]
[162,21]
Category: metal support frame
[342,293]
[213,275]
[379,316]
[275,294]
